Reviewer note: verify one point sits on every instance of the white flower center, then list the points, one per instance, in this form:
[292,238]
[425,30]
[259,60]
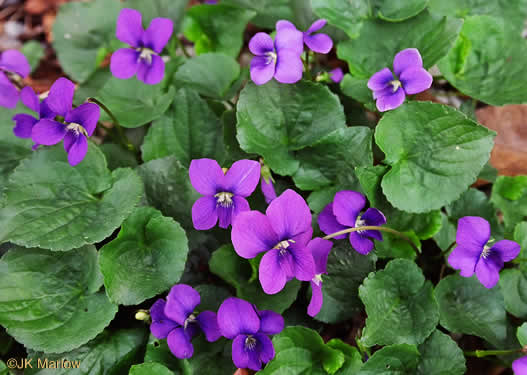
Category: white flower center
[250,342]
[317,279]
[76,128]
[359,223]
[485,253]
[283,245]
[395,85]
[224,199]
[146,54]
[191,319]
[271,57]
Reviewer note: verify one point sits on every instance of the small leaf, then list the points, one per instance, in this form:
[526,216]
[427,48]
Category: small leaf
[49,302]
[513,286]
[392,360]
[400,304]
[34,52]
[509,195]
[440,355]
[151,368]
[521,334]
[147,257]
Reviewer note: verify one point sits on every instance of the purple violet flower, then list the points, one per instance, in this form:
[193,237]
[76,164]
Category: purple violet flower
[240,321]
[11,62]
[73,125]
[175,320]
[224,193]
[283,233]
[410,78]
[279,59]
[267,188]
[336,75]
[345,212]
[23,122]
[143,57]
[320,43]
[475,254]
[519,366]
[320,249]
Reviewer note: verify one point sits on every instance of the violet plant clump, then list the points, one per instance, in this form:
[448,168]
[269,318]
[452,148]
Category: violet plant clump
[257,185]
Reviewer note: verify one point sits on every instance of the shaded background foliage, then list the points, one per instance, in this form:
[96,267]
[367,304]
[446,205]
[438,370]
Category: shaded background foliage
[71,280]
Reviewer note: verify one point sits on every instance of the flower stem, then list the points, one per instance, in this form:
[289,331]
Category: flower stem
[306,66]
[122,136]
[382,229]
[486,353]
[450,247]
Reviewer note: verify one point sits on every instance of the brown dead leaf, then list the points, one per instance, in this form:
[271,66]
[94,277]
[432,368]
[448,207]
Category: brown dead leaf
[241,371]
[509,155]
[37,7]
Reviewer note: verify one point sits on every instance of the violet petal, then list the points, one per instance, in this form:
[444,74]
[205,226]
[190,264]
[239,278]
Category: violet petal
[252,234]
[242,177]
[129,27]
[406,59]
[124,63]
[236,316]
[48,132]
[158,33]
[181,302]
[152,73]
[205,176]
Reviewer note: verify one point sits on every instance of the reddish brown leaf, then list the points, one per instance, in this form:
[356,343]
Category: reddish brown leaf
[509,155]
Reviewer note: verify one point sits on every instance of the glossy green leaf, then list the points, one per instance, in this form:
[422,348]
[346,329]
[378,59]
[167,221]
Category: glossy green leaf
[353,359]
[400,304]
[134,103]
[151,368]
[520,236]
[268,11]
[487,61]
[210,74]
[237,271]
[468,307]
[81,32]
[435,153]
[331,160]
[52,205]
[147,257]
[188,130]
[509,195]
[398,10]
[346,269]
[430,34]
[50,302]
[511,12]
[298,337]
[392,360]
[275,120]
[110,352]
[346,15]
[521,334]
[118,157]
[440,355]
[218,28]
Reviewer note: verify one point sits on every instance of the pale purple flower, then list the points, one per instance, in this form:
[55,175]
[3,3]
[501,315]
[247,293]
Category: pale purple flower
[143,57]
[224,193]
[279,59]
[519,366]
[267,188]
[11,62]
[475,253]
[240,321]
[23,122]
[320,249]
[211,2]
[345,212]
[409,78]
[283,233]
[74,126]
[336,75]
[175,320]
[320,43]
